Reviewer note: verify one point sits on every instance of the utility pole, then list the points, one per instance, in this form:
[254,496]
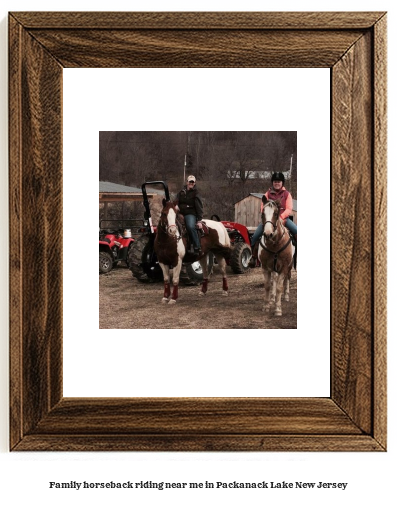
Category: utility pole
[186,155]
[293,187]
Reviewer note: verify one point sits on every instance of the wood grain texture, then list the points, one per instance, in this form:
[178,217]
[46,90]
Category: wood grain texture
[353,45]
[193,443]
[15,224]
[195,416]
[202,20]
[351,227]
[380,229]
[196,48]
[36,210]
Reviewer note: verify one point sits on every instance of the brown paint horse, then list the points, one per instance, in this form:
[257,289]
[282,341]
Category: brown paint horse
[276,253]
[171,250]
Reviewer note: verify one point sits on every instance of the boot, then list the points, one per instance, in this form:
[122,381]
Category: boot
[254,258]
[296,251]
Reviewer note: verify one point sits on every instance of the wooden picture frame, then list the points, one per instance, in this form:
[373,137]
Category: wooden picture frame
[353,46]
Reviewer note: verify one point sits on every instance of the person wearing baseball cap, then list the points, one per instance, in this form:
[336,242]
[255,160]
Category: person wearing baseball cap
[277,192]
[191,207]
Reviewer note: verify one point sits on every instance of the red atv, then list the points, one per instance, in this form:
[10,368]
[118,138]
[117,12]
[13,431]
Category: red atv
[114,246]
[240,239]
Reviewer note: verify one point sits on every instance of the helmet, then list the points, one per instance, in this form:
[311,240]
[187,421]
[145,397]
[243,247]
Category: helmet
[278,177]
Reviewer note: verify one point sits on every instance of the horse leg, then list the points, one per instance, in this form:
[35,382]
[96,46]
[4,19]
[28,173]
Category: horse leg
[204,266]
[175,281]
[166,274]
[268,285]
[280,286]
[222,265]
[286,286]
[273,283]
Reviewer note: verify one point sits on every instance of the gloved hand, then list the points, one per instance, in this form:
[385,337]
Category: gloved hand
[199,225]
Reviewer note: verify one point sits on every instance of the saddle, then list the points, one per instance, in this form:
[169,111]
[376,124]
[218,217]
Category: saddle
[204,231]
[180,222]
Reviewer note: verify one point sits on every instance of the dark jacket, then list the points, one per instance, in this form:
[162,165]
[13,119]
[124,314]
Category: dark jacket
[190,203]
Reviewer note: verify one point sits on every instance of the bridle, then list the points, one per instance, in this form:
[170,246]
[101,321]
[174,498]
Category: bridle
[166,228]
[269,221]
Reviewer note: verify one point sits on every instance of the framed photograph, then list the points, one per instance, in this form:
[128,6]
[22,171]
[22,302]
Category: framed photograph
[353,46]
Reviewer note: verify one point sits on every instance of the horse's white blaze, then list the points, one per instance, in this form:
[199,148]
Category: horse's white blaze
[171,219]
[224,239]
[269,212]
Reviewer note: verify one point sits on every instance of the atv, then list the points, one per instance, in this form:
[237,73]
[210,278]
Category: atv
[240,240]
[114,246]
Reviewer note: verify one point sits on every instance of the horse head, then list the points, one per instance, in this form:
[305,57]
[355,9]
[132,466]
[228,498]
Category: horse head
[168,218]
[270,214]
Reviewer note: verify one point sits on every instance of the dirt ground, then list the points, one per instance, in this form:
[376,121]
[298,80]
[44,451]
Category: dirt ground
[126,303]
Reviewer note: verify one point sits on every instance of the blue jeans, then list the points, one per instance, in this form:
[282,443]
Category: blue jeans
[289,224]
[190,221]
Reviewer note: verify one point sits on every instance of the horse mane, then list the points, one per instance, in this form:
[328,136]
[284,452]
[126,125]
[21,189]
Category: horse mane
[275,204]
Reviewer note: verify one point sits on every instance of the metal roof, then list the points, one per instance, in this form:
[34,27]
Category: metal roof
[109,187]
[259,196]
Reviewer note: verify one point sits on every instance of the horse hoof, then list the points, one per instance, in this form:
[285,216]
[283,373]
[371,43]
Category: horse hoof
[202,293]
[277,313]
[225,293]
[172,301]
[286,297]
[164,300]
[266,309]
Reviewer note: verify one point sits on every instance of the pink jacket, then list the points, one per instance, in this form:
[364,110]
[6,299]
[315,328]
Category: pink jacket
[285,199]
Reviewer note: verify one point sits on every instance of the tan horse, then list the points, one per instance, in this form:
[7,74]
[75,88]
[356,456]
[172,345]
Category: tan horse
[171,249]
[276,253]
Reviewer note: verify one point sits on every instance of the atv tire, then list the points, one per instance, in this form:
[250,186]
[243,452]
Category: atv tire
[127,258]
[141,262]
[105,262]
[240,258]
[192,274]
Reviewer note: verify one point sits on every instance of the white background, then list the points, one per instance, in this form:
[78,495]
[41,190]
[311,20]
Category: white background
[255,363]
[24,477]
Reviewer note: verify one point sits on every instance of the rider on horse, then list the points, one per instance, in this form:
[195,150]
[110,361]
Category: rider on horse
[277,192]
[191,207]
